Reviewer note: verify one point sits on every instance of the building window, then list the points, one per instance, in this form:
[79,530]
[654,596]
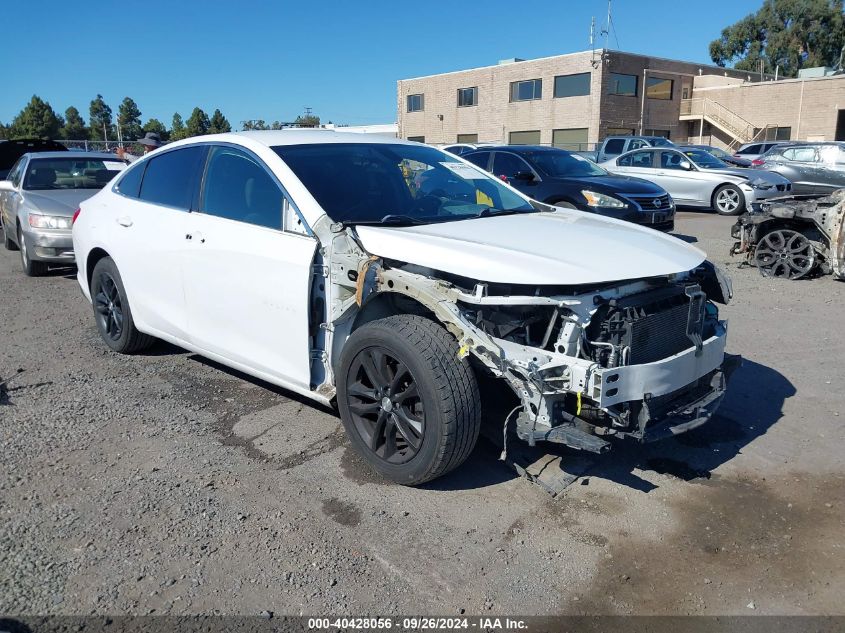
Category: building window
[657,88]
[573,139]
[531,137]
[467,138]
[619,131]
[526,90]
[650,132]
[467,97]
[783,133]
[625,85]
[417,139]
[415,103]
[572,85]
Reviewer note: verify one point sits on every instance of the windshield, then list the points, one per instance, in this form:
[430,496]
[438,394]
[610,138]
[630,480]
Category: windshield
[383,183]
[70,173]
[661,142]
[563,164]
[717,152]
[704,159]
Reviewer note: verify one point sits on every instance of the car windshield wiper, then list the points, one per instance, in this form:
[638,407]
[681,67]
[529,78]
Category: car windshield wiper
[394,219]
[489,211]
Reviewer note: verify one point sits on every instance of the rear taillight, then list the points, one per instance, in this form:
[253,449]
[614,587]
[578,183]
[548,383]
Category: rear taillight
[757,162]
[75,215]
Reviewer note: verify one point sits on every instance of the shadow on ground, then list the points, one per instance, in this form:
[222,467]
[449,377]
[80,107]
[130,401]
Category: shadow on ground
[753,404]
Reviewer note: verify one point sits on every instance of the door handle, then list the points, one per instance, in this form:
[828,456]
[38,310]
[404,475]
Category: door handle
[125,221]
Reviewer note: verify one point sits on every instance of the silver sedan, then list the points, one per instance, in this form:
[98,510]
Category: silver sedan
[39,198]
[696,178]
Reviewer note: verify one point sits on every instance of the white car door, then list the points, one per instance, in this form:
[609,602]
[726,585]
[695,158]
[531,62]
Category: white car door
[687,185]
[247,281]
[146,226]
[645,164]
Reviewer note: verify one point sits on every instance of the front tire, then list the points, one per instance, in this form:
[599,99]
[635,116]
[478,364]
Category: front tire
[729,200]
[112,312]
[7,241]
[409,405]
[30,268]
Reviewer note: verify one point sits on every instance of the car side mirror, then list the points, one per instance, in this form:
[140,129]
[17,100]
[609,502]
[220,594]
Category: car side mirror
[685,164]
[525,176]
[6,185]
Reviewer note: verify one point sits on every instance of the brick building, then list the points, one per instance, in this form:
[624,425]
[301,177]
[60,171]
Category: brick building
[574,100]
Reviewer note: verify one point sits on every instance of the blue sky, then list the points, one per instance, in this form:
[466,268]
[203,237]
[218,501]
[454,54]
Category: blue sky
[268,60]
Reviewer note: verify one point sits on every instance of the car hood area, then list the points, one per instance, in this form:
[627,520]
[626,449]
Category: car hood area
[56,201]
[612,184]
[564,247]
[754,176]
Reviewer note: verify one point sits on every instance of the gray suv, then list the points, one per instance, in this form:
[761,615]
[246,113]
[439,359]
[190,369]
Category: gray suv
[813,168]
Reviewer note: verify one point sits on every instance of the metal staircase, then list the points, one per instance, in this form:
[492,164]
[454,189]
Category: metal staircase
[740,130]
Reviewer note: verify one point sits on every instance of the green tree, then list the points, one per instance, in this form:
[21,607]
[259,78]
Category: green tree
[100,120]
[254,124]
[307,120]
[154,125]
[788,33]
[218,124]
[177,128]
[5,132]
[129,119]
[36,119]
[198,123]
[74,127]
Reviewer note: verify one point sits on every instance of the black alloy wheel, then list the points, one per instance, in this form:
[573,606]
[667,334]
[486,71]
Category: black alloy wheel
[385,405]
[109,306]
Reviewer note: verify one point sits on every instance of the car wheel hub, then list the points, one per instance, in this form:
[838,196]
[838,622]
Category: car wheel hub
[385,405]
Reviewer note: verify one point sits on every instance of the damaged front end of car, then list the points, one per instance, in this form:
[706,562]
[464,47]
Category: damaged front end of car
[642,359]
[794,237]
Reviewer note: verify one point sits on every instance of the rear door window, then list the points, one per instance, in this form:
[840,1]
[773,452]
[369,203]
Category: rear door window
[637,159]
[238,187]
[751,149]
[614,146]
[508,165]
[171,179]
[801,154]
[482,159]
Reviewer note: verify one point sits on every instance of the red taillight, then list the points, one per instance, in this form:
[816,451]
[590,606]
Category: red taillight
[757,162]
[75,215]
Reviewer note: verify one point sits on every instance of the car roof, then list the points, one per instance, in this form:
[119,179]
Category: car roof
[73,154]
[518,149]
[299,136]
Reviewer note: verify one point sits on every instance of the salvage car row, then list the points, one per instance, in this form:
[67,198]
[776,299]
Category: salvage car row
[388,278]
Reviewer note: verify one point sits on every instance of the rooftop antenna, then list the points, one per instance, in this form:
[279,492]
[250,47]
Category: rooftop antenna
[593,62]
[606,30]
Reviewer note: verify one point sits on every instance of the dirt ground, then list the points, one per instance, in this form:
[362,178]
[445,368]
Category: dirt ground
[164,483]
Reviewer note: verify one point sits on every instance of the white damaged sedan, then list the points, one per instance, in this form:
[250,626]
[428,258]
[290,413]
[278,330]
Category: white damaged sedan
[387,276]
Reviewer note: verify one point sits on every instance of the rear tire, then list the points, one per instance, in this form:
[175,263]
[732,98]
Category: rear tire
[112,312]
[728,200]
[30,268]
[409,439]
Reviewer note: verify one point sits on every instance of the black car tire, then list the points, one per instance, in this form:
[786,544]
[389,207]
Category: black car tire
[30,268]
[7,241]
[112,312]
[728,200]
[383,361]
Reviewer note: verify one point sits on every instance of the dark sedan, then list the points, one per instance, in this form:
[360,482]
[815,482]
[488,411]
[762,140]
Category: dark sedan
[564,179]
